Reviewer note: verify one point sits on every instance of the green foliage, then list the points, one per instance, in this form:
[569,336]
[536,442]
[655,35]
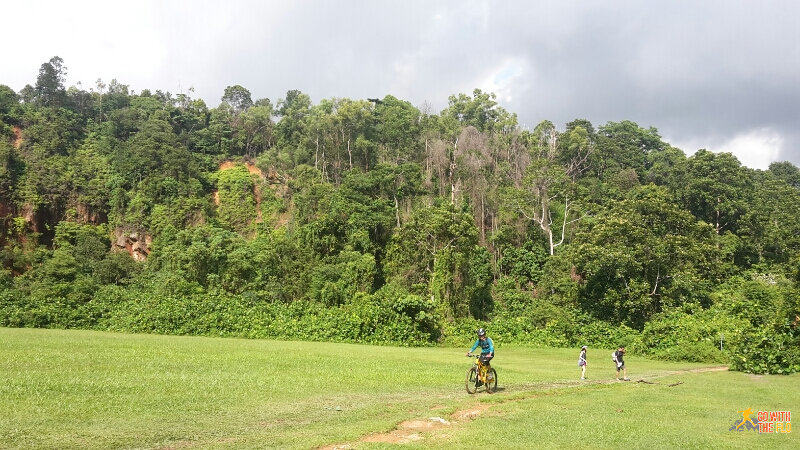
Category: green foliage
[767,306]
[373,221]
[339,280]
[9,108]
[625,145]
[480,111]
[237,204]
[717,190]
[678,336]
[642,256]
[435,254]
[774,349]
[187,309]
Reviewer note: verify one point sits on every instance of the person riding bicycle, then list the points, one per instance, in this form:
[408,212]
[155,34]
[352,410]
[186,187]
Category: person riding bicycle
[487,347]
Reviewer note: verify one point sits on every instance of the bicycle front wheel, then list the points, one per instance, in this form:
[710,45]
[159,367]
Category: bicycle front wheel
[472,380]
[491,381]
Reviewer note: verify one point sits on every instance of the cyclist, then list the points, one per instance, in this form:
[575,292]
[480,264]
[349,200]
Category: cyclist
[487,347]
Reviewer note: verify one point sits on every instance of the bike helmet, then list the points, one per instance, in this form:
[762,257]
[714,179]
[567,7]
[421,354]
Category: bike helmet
[481,332]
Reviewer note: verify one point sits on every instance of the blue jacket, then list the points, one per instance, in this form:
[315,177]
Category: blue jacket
[486,346]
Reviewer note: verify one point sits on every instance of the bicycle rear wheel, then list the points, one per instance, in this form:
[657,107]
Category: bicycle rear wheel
[491,381]
[472,380]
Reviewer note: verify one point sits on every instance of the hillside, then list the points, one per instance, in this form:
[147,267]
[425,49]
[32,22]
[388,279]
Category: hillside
[374,221]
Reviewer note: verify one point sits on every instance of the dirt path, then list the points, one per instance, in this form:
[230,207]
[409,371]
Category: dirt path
[411,430]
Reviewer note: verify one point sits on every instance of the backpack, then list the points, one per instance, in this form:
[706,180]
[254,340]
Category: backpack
[614,356]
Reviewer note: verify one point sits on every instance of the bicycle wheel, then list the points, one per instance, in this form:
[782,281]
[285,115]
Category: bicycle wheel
[491,381]
[472,377]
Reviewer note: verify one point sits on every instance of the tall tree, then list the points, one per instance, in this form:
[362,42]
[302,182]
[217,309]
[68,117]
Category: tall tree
[238,97]
[545,180]
[49,89]
[398,130]
[480,111]
[293,109]
[787,172]
[717,189]
[625,145]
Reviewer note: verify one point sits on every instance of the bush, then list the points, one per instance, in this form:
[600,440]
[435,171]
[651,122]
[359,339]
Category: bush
[678,336]
[775,350]
[768,339]
[599,334]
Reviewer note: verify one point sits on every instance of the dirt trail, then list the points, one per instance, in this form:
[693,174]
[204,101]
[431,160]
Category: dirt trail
[411,430]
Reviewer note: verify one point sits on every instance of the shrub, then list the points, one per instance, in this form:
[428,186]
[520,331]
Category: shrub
[775,350]
[678,336]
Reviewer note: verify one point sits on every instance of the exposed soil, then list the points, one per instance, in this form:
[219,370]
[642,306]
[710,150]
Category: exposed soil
[701,370]
[17,137]
[225,165]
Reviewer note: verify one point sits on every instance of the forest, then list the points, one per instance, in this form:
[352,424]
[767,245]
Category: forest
[376,221]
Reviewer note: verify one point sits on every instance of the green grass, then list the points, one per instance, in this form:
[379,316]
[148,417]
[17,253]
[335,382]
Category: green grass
[78,389]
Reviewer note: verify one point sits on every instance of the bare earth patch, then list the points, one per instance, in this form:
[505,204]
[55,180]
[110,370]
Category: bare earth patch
[17,137]
[410,430]
[702,369]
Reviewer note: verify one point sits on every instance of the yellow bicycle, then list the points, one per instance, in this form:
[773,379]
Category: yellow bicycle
[481,374]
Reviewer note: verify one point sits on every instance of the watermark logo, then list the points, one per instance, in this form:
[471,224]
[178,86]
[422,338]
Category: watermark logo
[763,421]
[746,421]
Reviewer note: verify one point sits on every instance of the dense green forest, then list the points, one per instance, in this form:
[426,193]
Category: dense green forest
[376,221]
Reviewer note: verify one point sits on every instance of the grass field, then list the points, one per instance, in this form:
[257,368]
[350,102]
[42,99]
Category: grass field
[78,389]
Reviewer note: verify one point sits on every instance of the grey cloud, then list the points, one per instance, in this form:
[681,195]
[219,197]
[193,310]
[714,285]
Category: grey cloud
[700,72]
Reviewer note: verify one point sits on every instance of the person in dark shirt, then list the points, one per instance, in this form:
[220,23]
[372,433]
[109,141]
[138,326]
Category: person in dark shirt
[619,360]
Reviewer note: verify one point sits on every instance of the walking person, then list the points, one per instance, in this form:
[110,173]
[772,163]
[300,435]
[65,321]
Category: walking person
[582,362]
[618,357]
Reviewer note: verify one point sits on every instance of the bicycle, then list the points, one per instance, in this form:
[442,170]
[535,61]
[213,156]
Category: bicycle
[481,375]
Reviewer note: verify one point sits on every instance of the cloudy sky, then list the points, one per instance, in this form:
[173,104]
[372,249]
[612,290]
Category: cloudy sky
[722,75]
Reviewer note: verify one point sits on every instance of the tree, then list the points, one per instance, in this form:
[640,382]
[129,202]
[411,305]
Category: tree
[472,167]
[625,145]
[435,254]
[319,137]
[254,130]
[716,189]
[9,105]
[545,180]
[480,111]
[770,227]
[397,128]
[238,97]
[293,110]
[787,172]
[353,121]
[643,255]
[667,167]
[217,137]
[49,89]
[576,148]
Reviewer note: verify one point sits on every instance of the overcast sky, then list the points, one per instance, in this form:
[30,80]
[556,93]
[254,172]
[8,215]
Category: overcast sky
[722,75]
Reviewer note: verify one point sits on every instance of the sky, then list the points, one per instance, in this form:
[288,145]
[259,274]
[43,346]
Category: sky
[723,75]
